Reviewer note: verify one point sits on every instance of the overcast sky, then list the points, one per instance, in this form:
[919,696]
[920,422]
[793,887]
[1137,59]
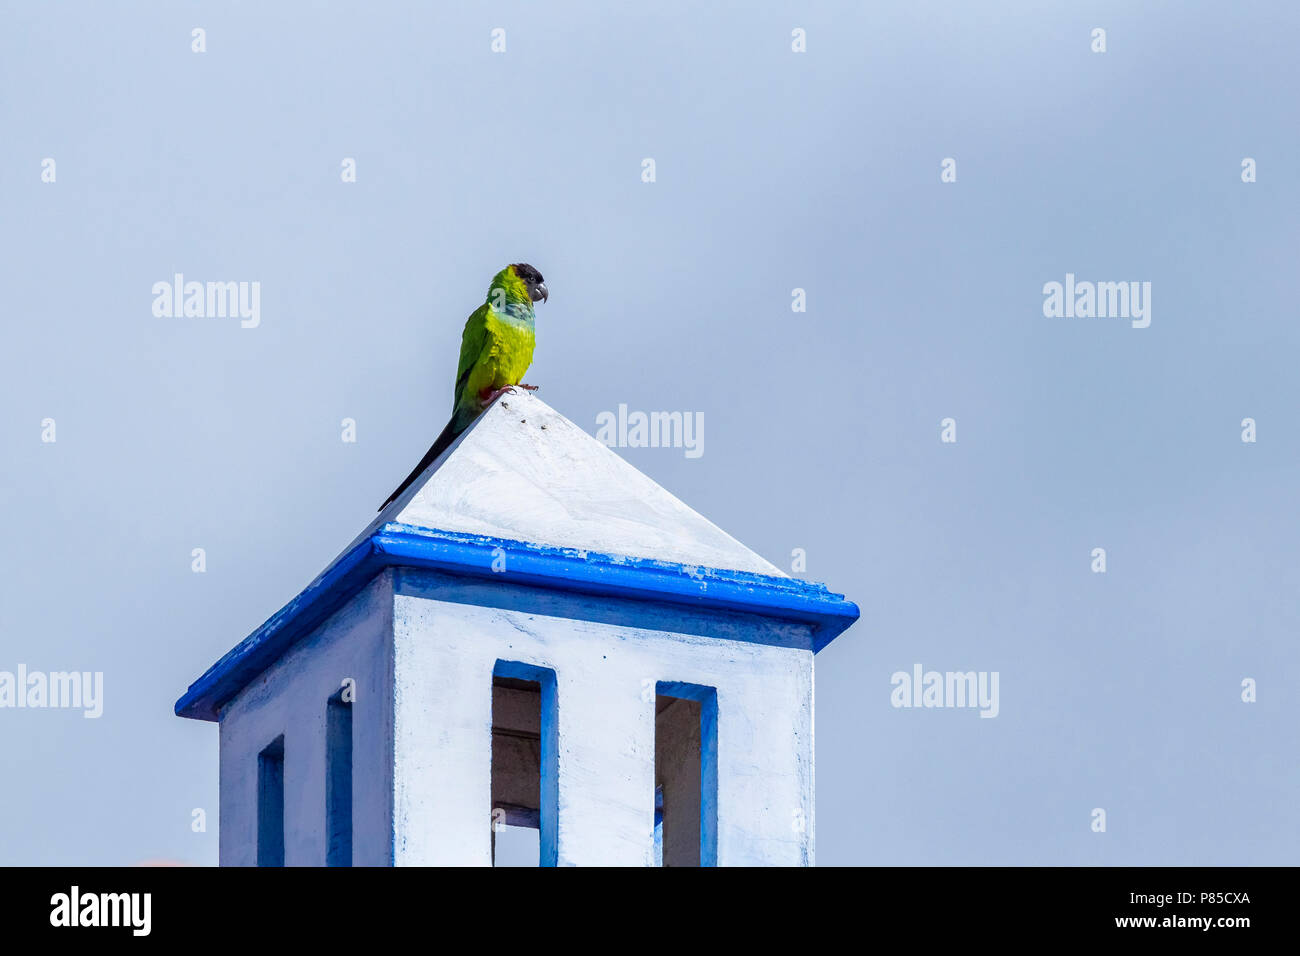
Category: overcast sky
[774,171]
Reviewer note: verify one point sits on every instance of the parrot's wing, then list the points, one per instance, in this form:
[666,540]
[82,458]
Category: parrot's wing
[472,343]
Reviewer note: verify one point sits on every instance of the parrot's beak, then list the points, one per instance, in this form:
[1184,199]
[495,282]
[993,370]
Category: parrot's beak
[539,292]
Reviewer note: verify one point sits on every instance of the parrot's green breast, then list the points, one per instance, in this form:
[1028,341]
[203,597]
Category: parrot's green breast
[514,350]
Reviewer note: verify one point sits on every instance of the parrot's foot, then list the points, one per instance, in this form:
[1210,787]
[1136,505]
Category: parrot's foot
[489,395]
[531,388]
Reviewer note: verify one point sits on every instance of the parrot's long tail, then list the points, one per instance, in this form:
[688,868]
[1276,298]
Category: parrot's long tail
[440,444]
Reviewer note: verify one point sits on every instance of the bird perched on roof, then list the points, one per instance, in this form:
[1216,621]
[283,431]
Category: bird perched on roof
[496,349]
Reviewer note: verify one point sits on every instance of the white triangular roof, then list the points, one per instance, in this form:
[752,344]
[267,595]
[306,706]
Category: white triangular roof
[524,472]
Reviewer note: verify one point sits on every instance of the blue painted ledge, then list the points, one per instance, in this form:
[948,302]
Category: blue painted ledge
[556,569]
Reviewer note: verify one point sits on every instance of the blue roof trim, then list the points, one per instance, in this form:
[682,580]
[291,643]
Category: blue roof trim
[583,572]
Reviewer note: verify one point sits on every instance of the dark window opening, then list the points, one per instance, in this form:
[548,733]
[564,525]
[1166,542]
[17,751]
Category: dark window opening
[270,804]
[338,781]
[686,775]
[524,774]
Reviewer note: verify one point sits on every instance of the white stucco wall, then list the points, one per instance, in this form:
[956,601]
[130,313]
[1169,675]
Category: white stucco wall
[422,648]
[290,698]
[606,669]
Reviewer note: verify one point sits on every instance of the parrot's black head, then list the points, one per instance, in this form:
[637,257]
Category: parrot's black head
[533,280]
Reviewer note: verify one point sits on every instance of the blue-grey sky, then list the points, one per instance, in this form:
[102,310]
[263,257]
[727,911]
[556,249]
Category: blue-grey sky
[775,170]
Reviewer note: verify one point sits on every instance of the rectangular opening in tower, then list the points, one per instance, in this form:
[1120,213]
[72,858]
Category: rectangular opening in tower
[525,749]
[686,774]
[338,781]
[270,804]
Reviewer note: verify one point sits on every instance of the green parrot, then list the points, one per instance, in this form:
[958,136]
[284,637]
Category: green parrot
[496,349]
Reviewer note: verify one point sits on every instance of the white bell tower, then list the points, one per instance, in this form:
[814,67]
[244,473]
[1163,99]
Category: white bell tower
[535,635]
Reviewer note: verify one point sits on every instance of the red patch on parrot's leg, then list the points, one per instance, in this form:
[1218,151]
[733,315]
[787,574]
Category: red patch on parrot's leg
[487,396]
